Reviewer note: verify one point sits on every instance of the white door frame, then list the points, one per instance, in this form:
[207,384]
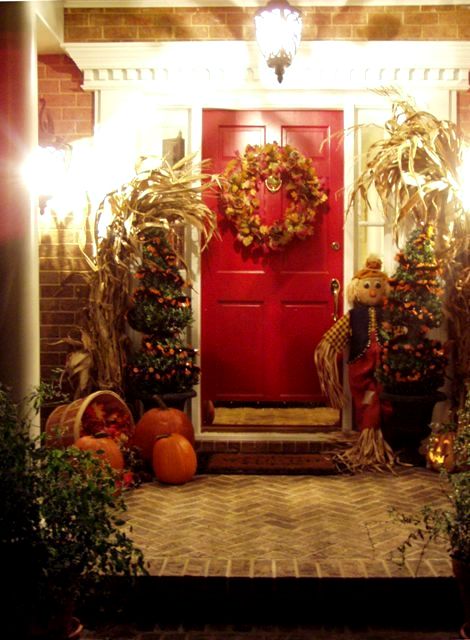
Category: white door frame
[138,84]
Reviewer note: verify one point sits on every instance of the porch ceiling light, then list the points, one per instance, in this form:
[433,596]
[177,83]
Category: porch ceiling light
[278,30]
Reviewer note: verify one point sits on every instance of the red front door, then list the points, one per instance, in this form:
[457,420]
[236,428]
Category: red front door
[262,317]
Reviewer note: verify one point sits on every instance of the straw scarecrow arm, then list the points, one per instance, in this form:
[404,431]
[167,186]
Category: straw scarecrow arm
[333,342]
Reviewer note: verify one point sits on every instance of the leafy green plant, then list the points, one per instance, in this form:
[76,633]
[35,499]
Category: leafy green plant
[61,527]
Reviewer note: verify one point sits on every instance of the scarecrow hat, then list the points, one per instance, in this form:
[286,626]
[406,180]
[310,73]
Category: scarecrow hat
[372,269]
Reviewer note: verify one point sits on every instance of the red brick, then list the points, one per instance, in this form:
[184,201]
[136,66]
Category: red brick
[48,358]
[57,318]
[410,32]
[340,32]
[222,32]
[50,291]
[71,85]
[459,17]
[49,277]
[61,100]
[83,34]
[77,19]
[348,18]
[418,17]
[116,33]
[49,331]
[156,33]
[208,18]
[75,113]
[47,86]
[191,33]
[238,19]
[444,32]
[463,32]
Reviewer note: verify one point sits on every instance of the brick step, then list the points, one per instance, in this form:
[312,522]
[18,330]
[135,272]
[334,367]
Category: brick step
[261,463]
[317,443]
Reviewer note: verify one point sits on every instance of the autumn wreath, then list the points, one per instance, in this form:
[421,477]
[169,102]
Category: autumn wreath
[276,167]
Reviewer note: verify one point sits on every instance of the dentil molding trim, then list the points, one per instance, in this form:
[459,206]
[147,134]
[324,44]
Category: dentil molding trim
[218,66]
[135,4]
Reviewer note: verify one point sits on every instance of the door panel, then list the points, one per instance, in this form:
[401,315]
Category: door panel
[263,315]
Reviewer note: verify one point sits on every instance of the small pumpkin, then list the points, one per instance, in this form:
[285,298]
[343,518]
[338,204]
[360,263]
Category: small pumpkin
[174,460]
[160,421]
[103,447]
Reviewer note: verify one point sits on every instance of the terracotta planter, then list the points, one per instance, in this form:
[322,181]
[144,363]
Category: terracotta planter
[409,424]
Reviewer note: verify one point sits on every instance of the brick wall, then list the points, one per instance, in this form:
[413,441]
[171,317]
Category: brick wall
[418,22]
[62,288]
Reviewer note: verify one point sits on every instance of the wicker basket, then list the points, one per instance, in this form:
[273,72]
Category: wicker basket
[64,425]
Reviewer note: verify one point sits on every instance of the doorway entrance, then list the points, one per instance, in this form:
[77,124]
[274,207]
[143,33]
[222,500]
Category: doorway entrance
[262,315]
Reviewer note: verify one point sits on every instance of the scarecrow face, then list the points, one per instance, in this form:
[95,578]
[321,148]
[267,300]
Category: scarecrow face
[370,291]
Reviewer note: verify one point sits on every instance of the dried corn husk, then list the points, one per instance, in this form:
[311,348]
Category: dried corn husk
[415,172]
[159,195]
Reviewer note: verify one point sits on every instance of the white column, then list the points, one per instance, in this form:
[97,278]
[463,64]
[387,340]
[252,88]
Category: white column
[19,261]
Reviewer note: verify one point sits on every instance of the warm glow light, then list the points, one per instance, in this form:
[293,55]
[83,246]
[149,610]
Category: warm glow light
[45,172]
[278,31]
[465,179]
[105,220]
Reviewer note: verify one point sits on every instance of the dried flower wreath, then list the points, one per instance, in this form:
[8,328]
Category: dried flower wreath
[276,167]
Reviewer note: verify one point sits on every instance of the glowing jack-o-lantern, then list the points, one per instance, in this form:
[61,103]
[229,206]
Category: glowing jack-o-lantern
[440,452]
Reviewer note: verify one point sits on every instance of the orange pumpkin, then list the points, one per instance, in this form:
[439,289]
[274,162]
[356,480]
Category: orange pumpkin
[174,460]
[103,447]
[160,421]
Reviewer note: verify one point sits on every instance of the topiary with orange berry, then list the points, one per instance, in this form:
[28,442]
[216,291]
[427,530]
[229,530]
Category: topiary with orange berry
[161,310]
[411,362]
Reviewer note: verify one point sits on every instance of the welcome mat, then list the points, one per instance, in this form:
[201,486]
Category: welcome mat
[266,463]
[301,416]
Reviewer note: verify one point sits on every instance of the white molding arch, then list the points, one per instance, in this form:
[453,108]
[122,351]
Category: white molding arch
[137,85]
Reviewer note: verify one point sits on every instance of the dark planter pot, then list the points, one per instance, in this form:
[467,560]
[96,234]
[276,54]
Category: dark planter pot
[409,424]
[171,400]
[462,575]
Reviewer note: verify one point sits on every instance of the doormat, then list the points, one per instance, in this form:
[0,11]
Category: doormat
[266,463]
[239,416]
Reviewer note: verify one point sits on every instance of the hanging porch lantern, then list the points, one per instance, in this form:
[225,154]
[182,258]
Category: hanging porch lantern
[278,30]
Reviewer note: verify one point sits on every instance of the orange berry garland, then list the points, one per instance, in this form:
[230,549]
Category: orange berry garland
[275,166]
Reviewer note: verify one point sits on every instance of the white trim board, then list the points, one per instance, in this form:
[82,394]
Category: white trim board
[238,66]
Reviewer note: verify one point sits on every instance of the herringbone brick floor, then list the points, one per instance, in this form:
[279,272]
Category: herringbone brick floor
[284,526]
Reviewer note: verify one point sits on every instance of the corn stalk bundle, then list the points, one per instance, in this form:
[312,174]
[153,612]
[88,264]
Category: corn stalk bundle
[415,171]
[159,195]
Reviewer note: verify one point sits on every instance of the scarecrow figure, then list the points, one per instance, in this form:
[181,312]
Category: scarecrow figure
[358,329]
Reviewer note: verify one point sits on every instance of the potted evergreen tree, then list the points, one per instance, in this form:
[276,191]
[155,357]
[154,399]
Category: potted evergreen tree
[165,367]
[412,365]
[61,530]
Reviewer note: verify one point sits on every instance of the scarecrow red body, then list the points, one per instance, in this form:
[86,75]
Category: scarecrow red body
[359,330]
